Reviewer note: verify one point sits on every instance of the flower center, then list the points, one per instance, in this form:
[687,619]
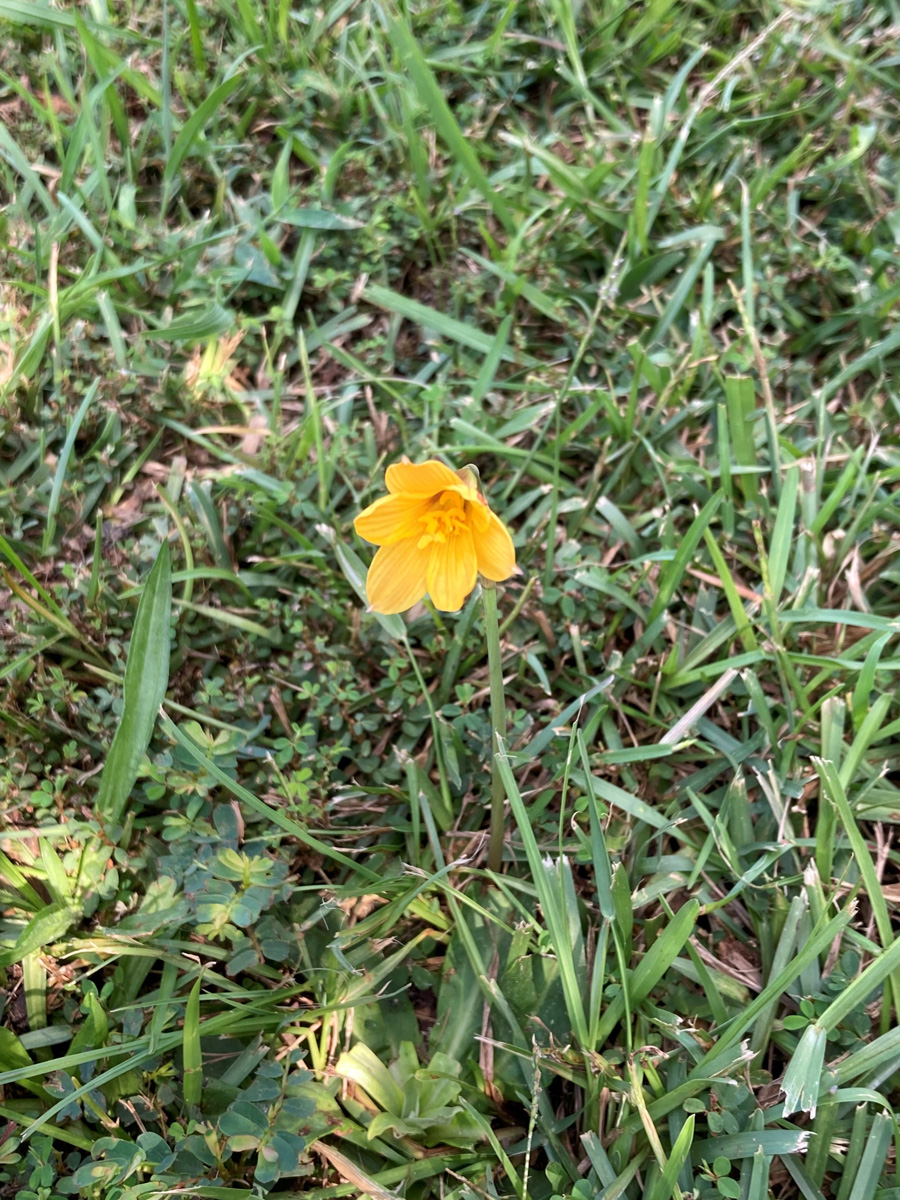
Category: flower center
[446,520]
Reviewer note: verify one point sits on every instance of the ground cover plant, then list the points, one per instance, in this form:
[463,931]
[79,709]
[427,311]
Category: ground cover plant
[637,265]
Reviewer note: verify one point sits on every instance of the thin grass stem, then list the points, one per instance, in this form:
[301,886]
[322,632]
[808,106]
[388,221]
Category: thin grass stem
[498,721]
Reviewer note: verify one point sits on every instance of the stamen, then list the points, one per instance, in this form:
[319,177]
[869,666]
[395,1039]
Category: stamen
[447,520]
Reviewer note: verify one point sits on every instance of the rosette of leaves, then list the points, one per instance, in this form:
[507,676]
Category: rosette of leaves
[416,1102]
[237,890]
[279,1152]
[277,1120]
[116,1160]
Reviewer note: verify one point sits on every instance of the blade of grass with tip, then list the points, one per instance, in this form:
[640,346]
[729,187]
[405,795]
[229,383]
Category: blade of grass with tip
[878,1143]
[146,679]
[195,123]
[675,570]
[740,402]
[429,318]
[192,1082]
[62,465]
[432,97]
[651,968]
[667,1181]
[870,730]
[599,852]
[783,533]
[548,878]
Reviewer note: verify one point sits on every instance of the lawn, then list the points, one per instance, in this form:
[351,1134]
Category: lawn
[637,265]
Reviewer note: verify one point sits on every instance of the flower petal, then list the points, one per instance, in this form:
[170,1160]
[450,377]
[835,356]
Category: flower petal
[390,519]
[397,577]
[494,548]
[452,571]
[420,479]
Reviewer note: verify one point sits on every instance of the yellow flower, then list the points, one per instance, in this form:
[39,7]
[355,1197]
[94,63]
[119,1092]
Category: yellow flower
[435,533]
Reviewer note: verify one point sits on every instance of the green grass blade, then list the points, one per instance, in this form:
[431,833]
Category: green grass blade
[62,465]
[664,1186]
[740,399]
[783,533]
[823,937]
[599,852]
[673,575]
[652,967]
[429,318]
[835,792]
[196,122]
[445,123]
[146,679]
[191,1049]
[548,877]
[878,1143]
[801,1079]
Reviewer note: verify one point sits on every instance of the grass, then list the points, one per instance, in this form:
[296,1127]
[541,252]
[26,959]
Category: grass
[638,264]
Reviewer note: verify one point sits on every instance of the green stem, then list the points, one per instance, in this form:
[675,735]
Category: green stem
[435,728]
[312,410]
[498,721]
